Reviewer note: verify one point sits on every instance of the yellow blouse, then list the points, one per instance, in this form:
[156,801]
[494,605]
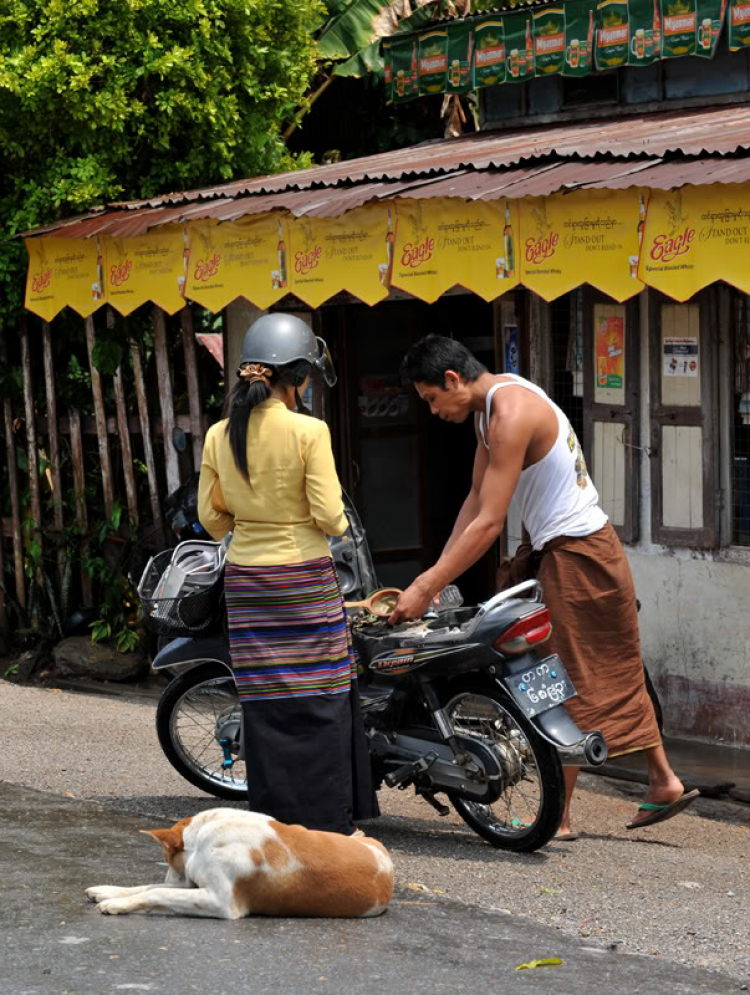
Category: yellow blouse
[293,500]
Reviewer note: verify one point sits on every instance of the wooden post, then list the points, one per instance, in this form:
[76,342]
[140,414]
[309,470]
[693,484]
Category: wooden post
[148,448]
[127,450]
[31,443]
[3,612]
[54,436]
[79,487]
[15,501]
[121,407]
[194,392]
[101,421]
[166,400]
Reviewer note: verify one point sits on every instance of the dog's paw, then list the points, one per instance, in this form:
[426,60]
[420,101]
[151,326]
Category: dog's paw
[111,907]
[102,892]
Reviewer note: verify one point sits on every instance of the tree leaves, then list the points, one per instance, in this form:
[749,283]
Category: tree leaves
[104,100]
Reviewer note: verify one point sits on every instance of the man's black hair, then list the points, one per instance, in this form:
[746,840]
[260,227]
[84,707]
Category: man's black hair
[428,359]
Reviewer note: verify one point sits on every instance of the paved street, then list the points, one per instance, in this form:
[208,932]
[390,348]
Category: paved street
[662,911]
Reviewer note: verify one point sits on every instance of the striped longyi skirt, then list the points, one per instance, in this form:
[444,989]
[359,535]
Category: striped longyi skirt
[305,748]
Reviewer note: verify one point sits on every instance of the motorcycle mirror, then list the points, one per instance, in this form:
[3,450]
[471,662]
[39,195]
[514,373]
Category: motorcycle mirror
[179,441]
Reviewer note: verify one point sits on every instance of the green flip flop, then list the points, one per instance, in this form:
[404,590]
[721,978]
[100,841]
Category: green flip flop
[663,812]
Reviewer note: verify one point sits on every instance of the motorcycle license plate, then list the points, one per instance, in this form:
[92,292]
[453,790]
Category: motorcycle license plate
[541,687]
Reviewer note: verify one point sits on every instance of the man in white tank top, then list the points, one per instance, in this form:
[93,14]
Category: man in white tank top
[527,447]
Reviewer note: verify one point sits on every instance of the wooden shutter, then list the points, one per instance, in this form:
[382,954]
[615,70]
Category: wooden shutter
[611,410]
[682,420]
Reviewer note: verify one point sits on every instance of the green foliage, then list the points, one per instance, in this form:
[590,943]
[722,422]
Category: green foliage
[350,28]
[103,100]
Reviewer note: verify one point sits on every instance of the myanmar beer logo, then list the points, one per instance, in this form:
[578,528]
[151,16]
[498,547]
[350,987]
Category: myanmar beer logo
[544,244]
[120,273]
[679,238]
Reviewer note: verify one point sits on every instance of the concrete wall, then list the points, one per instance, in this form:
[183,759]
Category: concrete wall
[695,632]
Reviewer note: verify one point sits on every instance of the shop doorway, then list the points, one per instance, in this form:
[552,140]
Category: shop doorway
[407,472]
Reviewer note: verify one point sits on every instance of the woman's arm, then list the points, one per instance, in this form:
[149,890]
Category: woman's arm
[216,523]
[322,483]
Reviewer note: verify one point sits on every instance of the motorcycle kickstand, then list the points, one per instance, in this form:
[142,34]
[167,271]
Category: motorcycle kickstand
[432,800]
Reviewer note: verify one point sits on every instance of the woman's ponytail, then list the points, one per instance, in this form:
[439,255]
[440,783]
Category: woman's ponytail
[245,396]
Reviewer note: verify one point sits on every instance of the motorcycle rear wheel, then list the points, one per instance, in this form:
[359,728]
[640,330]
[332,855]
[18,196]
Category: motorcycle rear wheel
[527,814]
[188,718]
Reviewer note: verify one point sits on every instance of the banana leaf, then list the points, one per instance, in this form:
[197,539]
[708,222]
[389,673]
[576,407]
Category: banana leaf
[351,29]
[368,60]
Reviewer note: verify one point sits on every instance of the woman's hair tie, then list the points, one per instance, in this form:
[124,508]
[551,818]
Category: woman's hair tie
[255,373]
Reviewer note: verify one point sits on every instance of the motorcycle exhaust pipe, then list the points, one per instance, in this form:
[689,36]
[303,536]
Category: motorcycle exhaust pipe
[590,752]
[576,749]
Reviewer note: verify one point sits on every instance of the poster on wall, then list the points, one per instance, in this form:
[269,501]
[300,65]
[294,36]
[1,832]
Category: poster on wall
[610,352]
[681,356]
[510,342]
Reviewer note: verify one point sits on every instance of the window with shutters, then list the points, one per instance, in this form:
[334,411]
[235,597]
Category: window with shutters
[684,448]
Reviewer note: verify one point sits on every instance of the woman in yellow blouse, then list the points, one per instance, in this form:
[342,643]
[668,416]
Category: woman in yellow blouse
[268,476]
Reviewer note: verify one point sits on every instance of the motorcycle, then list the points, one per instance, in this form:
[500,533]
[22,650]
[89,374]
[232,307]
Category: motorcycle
[457,704]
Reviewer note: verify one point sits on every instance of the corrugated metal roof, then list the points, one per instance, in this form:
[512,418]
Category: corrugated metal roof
[658,150]
[716,130]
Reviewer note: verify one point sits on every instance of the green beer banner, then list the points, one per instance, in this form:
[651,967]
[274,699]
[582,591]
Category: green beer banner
[645,32]
[433,53]
[580,30]
[489,64]
[549,40]
[612,34]
[519,47]
[460,49]
[739,25]
[571,38]
[679,27]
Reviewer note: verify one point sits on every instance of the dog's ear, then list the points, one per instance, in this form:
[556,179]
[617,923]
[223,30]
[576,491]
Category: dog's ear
[170,839]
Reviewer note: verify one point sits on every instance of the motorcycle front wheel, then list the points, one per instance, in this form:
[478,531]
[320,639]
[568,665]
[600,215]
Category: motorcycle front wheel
[198,723]
[528,811]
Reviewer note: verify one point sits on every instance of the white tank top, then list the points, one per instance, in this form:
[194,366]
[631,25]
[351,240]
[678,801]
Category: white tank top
[556,496]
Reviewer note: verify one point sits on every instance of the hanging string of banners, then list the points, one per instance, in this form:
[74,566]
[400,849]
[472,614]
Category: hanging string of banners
[617,241]
[574,38]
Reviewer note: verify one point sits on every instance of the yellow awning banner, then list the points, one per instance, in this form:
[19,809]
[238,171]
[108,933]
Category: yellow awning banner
[444,242]
[327,255]
[695,236]
[245,258]
[63,271]
[582,237]
[150,267]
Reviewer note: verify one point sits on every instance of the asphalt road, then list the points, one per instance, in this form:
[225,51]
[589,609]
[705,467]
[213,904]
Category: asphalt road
[662,911]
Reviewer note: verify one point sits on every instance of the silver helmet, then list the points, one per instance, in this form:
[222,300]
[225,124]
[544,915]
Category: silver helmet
[278,339]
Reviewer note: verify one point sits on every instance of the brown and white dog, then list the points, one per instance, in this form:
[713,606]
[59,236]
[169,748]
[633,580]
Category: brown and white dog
[226,863]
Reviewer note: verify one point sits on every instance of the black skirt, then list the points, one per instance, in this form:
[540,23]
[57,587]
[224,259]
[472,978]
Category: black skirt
[307,761]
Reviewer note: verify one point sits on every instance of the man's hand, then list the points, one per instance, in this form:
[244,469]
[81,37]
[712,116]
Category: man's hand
[412,603]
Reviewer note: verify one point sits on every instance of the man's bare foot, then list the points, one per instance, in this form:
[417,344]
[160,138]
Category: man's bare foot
[661,794]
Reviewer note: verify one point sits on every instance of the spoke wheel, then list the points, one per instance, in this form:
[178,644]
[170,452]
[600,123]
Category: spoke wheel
[196,710]
[529,809]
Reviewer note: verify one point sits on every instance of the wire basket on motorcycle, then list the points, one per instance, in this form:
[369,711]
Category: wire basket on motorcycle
[182,589]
